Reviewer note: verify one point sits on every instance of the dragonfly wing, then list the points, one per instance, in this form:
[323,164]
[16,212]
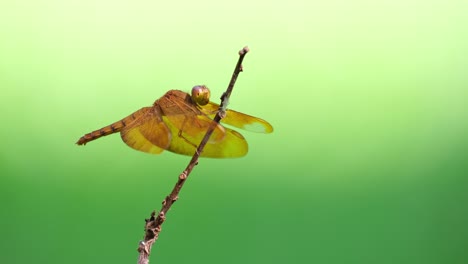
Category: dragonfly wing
[148,133]
[231,145]
[239,120]
[186,120]
[188,131]
[188,125]
[183,114]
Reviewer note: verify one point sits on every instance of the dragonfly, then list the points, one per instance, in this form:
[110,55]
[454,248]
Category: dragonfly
[178,121]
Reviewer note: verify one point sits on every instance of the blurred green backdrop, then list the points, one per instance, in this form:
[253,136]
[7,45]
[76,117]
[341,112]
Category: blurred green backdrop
[367,163]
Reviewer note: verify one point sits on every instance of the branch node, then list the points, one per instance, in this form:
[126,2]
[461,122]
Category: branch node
[151,217]
[222,113]
[183,176]
[143,247]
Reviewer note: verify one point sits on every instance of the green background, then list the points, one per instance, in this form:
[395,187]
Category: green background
[367,163]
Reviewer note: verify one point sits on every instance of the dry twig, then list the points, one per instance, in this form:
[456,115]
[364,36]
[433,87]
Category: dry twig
[153,224]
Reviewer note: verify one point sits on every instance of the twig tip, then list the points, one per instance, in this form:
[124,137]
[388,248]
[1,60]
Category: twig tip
[244,50]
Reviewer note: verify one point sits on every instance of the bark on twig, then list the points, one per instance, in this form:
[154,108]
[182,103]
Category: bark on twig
[153,224]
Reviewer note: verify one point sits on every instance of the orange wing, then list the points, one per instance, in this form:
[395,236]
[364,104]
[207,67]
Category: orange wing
[239,120]
[188,126]
[148,133]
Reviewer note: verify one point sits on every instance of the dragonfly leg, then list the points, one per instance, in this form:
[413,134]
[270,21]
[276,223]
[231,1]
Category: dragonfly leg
[186,140]
[183,137]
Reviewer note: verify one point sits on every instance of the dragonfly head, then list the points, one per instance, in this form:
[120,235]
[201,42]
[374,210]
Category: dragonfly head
[201,94]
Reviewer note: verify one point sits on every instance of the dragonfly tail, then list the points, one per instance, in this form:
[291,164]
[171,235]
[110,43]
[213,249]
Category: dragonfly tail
[110,129]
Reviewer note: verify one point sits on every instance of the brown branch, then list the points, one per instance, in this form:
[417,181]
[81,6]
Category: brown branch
[153,224]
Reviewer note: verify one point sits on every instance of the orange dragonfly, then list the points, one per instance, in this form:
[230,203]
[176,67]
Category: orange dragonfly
[178,122]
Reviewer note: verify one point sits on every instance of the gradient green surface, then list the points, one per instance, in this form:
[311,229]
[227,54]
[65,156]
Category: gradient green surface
[367,163]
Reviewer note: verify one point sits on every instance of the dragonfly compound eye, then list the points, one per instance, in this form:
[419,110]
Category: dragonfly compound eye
[201,94]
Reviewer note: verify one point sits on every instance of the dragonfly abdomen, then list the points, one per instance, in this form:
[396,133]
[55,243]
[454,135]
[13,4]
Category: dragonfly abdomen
[110,129]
